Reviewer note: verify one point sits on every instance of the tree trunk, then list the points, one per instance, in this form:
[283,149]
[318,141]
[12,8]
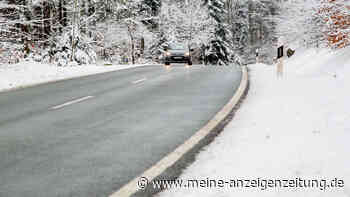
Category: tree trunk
[132,45]
[60,15]
[74,24]
[142,46]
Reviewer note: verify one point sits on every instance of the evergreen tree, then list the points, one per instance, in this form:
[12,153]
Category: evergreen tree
[160,43]
[153,9]
[218,50]
[153,5]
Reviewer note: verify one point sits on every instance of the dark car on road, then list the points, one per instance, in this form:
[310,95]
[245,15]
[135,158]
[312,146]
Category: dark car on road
[177,53]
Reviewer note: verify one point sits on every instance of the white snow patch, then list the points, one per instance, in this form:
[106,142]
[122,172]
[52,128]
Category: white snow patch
[32,73]
[298,126]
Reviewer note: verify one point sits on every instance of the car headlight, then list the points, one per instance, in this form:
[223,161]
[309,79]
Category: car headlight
[187,54]
[167,53]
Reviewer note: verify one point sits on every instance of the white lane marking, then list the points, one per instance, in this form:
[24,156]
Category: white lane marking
[139,81]
[132,187]
[72,102]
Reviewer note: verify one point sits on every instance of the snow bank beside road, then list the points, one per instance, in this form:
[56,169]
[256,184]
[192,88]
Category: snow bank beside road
[31,73]
[295,127]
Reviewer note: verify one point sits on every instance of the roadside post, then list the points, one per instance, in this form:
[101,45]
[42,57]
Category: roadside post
[280,54]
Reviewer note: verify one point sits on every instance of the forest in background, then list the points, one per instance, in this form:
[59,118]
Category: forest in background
[78,32]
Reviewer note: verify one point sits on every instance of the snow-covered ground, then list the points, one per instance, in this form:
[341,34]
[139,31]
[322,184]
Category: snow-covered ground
[32,73]
[295,127]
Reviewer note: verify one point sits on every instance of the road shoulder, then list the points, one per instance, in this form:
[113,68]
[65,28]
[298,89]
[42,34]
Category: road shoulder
[29,74]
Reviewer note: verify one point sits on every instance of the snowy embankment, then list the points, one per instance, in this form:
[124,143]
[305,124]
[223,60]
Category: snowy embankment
[295,127]
[32,73]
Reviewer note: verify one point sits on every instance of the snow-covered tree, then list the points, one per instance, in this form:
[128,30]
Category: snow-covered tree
[124,31]
[336,15]
[298,20]
[152,7]
[316,22]
[218,51]
[184,21]
[197,25]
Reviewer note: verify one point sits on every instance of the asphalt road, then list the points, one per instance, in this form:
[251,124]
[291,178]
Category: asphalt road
[89,136]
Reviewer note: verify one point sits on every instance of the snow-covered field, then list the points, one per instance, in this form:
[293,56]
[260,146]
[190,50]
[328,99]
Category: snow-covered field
[32,73]
[295,127]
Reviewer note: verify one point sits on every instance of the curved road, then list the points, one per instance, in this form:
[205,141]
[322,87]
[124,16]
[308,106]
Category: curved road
[90,136]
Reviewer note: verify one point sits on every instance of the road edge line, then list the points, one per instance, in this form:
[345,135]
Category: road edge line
[170,159]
